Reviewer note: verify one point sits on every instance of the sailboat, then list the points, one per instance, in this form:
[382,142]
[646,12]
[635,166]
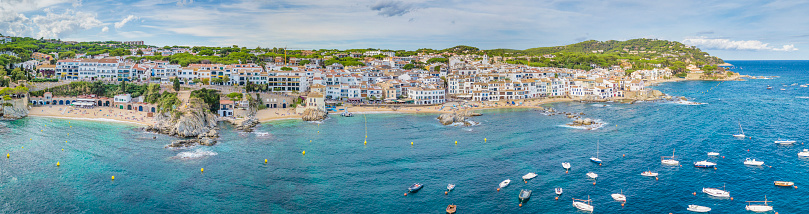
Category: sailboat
[742,134]
[566,165]
[669,161]
[583,204]
[758,207]
[596,159]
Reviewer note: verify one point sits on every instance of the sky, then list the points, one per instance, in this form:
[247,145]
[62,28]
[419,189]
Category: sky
[740,29]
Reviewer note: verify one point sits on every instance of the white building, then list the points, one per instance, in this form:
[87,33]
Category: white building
[426,96]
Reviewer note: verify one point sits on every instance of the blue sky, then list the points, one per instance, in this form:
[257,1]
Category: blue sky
[728,29]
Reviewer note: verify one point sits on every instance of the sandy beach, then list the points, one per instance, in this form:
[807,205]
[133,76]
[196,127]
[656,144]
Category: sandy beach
[95,114]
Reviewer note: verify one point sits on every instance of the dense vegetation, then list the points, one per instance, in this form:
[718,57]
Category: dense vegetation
[210,97]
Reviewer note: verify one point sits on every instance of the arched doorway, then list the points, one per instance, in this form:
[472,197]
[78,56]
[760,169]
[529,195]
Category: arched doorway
[67,102]
[140,108]
[284,105]
[107,103]
[61,102]
[99,103]
[153,110]
[128,107]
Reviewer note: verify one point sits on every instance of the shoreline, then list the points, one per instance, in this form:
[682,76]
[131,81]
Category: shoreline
[90,119]
[103,114]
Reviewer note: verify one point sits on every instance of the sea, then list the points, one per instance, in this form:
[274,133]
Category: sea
[365,163]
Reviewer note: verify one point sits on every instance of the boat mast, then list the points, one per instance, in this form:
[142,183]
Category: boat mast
[740,127]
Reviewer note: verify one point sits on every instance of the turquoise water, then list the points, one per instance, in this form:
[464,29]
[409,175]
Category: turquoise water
[338,174]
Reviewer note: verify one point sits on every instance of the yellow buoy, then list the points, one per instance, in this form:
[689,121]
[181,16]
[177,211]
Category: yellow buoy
[201,169]
[63,149]
[456,142]
[364,142]
[411,143]
[303,153]
[8,155]
[113,177]
[484,140]
[265,161]
[57,163]
[318,132]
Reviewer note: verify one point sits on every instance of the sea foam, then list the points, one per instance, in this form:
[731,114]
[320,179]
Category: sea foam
[198,153]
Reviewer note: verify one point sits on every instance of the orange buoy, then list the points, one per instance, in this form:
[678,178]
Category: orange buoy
[565,171]
[445,192]
[655,178]
[624,155]
[695,193]
[594,183]
[405,194]
[731,198]
[557,198]
[748,150]
[520,204]
[622,204]
[525,181]
[498,189]
[599,164]
[795,187]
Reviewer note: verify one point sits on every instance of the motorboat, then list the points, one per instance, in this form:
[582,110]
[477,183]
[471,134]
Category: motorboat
[619,196]
[784,183]
[713,153]
[584,205]
[753,162]
[742,134]
[804,153]
[592,175]
[451,208]
[784,142]
[596,159]
[769,87]
[525,195]
[755,207]
[669,160]
[529,176]
[649,174]
[566,165]
[783,89]
[704,164]
[505,183]
[450,187]
[558,190]
[716,192]
[698,208]
[415,187]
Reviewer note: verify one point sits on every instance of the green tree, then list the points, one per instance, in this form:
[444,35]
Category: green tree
[286,68]
[176,84]
[409,67]
[140,52]
[304,62]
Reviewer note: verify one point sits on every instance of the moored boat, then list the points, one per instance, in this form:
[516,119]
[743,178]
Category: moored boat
[649,174]
[525,195]
[713,153]
[783,183]
[505,183]
[716,192]
[785,142]
[758,207]
[529,176]
[415,187]
[450,187]
[596,159]
[704,164]
[451,208]
[566,165]
[558,190]
[698,208]
[742,134]
[619,196]
[804,153]
[592,175]
[584,205]
[753,162]
[670,160]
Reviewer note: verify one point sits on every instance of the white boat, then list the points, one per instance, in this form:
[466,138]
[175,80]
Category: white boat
[716,192]
[758,207]
[783,89]
[804,153]
[505,183]
[583,205]
[670,160]
[753,162]
[803,86]
[592,175]
[529,176]
[649,174]
[566,165]
[596,159]
[713,153]
[742,134]
[619,196]
[784,142]
[698,208]
[705,164]
[558,190]
[450,187]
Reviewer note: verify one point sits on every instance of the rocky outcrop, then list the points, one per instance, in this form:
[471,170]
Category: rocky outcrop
[457,117]
[314,115]
[244,124]
[192,142]
[582,122]
[14,109]
[192,120]
[651,95]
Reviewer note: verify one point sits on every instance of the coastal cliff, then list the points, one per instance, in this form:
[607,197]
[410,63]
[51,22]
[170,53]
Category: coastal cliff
[14,109]
[193,120]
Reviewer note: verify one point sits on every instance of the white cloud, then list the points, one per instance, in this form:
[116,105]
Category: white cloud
[105,29]
[392,8]
[123,22]
[54,25]
[726,44]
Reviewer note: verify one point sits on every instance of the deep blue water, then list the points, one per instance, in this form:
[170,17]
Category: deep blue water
[338,174]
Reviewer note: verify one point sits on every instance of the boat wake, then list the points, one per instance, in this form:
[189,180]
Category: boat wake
[597,124]
[686,102]
[600,105]
[802,97]
[464,124]
[196,154]
[262,134]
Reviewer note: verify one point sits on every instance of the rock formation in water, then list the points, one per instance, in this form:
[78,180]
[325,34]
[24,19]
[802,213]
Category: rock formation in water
[14,109]
[244,124]
[456,117]
[314,115]
[193,120]
[192,142]
[582,122]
